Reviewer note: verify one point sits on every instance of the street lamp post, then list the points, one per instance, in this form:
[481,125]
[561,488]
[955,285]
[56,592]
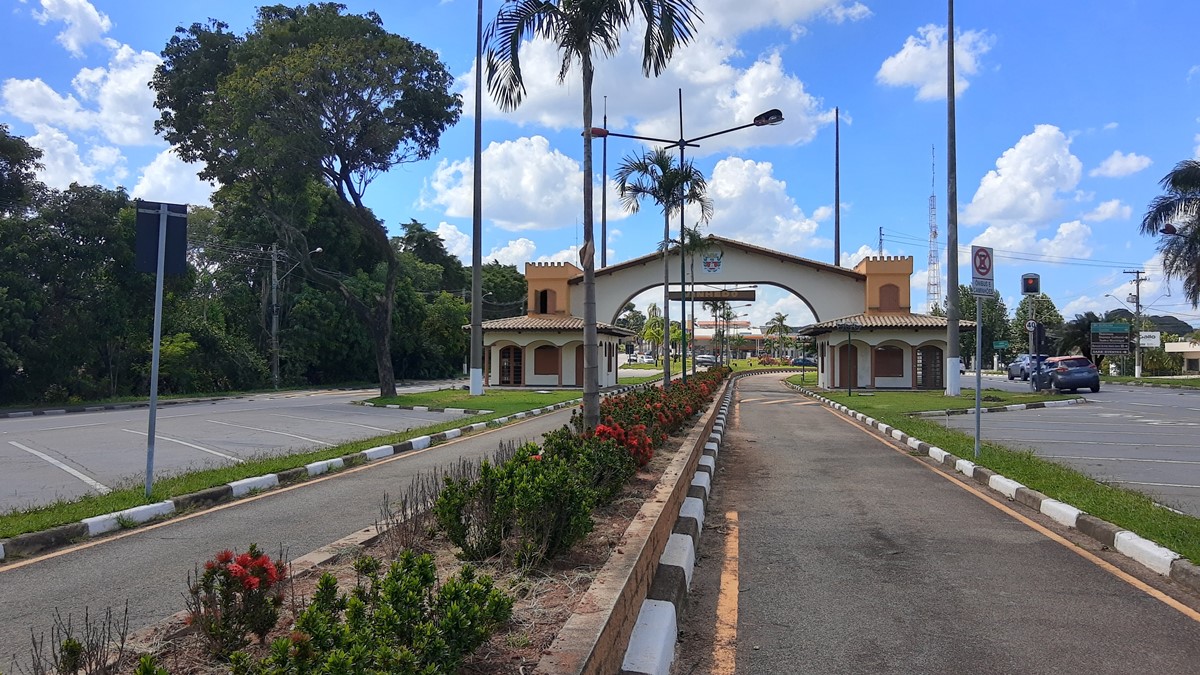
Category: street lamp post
[850,327]
[275,279]
[769,118]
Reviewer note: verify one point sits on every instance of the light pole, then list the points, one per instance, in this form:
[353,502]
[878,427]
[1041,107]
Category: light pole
[850,327]
[275,279]
[1136,299]
[476,349]
[769,118]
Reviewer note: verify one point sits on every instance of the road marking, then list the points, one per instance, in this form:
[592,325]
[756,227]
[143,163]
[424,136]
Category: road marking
[351,424]
[236,460]
[68,426]
[1126,444]
[270,431]
[96,485]
[1035,526]
[1148,405]
[1123,459]
[725,637]
[1133,482]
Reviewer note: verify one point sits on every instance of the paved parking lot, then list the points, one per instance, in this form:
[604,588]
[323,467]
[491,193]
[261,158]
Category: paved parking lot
[66,456]
[1145,439]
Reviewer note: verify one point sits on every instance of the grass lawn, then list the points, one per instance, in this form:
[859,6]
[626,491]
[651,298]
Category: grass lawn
[1126,508]
[921,401]
[1190,382]
[501,402]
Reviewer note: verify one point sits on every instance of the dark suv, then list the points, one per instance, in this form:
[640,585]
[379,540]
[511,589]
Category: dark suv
[1068,373]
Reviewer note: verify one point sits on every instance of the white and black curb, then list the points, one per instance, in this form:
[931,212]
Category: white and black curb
[1001,408]
[652,645]
[1149,554]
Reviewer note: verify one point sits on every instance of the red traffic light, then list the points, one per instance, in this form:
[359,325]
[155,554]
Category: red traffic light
[1031,284]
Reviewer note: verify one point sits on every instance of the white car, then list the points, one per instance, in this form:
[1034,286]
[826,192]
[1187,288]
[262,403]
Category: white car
[645,358]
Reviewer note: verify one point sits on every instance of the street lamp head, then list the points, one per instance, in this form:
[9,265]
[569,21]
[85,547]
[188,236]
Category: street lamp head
[1170,229]
[769,119]
[599,132]
[317,250]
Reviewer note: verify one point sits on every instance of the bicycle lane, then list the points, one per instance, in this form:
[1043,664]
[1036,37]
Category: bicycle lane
[829,551]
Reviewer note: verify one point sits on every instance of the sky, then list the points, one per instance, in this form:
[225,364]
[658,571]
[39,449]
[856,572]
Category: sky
[1066,122]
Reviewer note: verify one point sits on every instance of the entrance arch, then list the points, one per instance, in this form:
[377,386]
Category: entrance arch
[828,290]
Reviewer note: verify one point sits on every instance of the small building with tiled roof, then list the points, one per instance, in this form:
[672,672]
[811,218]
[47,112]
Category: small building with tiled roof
[886,346]
[544,348]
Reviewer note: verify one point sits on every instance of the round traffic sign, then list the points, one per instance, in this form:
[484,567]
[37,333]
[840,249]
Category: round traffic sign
[1030,325]
[982,262]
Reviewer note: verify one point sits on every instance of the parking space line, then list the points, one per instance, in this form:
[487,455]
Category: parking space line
[349,424]
[94,484]
[1132,482]
[236,460]
[67,426]
[1148,405]
[271,431]
[1123,459]
[1126,444]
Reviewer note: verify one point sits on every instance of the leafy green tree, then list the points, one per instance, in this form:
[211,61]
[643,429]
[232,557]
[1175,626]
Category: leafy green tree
[580,28]
[1174,217]
[654,175]
[1076,335]
[505,291]
[310,95]
[652,330]
[1046,313]
[428,247]
[18,164]
[995,324]
[777,329]
[631,318]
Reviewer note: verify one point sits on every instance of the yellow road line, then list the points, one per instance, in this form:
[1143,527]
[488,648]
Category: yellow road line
[1041,529]
[724,653]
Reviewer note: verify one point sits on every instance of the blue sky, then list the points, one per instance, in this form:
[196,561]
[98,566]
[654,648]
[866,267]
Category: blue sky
[1067,119]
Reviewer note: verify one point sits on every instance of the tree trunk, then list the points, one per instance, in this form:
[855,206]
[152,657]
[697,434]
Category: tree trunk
[591,379]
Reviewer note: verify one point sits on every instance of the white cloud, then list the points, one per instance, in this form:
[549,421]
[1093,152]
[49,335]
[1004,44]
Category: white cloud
[122,106]
[61,162]
[569,254]
[1085,303]
[1118,164]
[1070,240]
[1023,187]
[921,62]
[1110,126]
[169,179]
[849,260]
[85,24]
[717,95]
[457,242]
[526,186]
[1109,210]
[840,13]
[516,252]
[752,205]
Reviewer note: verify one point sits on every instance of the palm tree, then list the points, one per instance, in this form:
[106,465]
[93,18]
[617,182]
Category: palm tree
[578,27]
[652,330]
[1177,214]
[1077,334]
[778,327]
[655,175]
[691,243]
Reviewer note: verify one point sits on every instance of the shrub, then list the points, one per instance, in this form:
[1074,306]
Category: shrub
[608,465]
[397,624]
[475,511]
[236,595]
[552,508]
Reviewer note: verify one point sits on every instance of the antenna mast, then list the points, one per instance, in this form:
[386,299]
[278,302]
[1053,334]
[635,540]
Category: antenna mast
[933,287]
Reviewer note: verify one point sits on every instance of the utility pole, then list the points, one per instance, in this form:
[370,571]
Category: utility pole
[1137,320]
[953,386]
[275,315]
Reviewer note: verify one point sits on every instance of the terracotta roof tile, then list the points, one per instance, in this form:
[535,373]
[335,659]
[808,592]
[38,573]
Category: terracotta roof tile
[871,321]
[551,323]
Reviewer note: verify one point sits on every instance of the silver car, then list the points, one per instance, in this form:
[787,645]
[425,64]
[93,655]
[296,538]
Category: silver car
[1022,366]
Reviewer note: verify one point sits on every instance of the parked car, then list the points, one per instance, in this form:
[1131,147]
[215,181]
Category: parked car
[706,360]
[1068,373]
[804,361]
[1022,366]
[645,358]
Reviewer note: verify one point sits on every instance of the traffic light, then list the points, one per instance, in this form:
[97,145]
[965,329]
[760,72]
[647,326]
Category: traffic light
[1031,284]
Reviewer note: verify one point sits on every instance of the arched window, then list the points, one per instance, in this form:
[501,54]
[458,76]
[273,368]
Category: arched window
[889,298]
[545,302]
[889,361]
[545,360]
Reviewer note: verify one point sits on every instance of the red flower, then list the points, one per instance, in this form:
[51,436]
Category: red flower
[250,583]
[237,571]
[244,560]
[224,556]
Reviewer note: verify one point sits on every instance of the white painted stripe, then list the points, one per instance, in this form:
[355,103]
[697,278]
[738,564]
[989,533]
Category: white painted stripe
[1148,553]
[1076,442]
[94,484]
[1130,482]
[680,552]
[965,467]
[349,424]
[652,644]
[378,452]
[65,426]
[421,442]
[1147,405]
[1064,514]
[235,460]
[269,431]
[703,480]
[318,468]
[139,514]
[938,454]
[1005,486]
[1124,459]
[707,460]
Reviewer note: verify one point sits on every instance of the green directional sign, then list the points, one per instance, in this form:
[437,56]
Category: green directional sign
[1000,344]
[1110,328]
[1109,339]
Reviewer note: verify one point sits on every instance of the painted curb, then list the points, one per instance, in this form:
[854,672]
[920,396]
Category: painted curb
[1002,408]
[1150,555]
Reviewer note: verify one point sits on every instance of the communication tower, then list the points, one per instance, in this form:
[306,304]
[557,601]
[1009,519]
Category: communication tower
[933,287]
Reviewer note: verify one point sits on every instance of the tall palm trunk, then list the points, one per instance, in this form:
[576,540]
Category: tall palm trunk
[666,299]
[591,380]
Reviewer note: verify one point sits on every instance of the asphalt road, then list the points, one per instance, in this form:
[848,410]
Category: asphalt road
[827,551]
[51,457]
[1143,438]
[149,566]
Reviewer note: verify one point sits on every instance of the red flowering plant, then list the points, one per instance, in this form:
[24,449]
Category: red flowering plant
[235,596]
